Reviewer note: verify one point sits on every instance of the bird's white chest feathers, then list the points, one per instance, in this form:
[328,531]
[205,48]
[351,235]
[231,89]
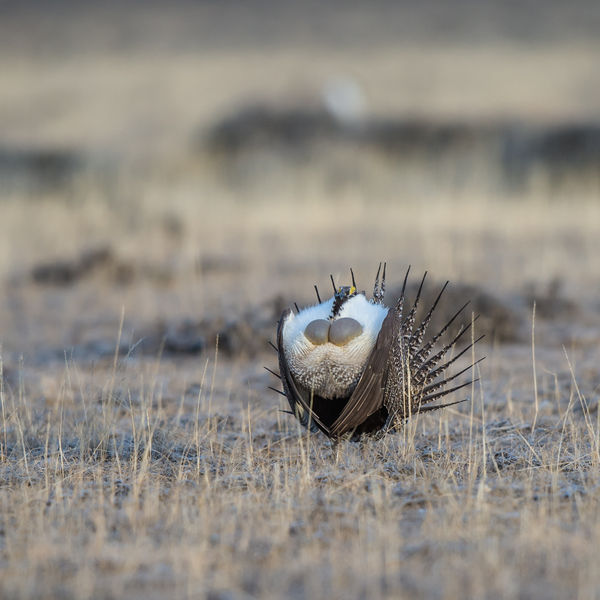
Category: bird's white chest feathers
[332,367]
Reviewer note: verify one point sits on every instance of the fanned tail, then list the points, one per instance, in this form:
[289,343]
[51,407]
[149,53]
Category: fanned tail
[405,373]
[418,375]
[417,337]
[378,288]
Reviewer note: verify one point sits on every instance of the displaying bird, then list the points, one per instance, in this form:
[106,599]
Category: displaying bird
[351,365]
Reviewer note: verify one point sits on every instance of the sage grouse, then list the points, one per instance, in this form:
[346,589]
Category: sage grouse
[350,365]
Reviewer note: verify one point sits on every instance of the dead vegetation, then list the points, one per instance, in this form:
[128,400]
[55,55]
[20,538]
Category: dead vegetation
[141,458]
[116,488]
[515,156]
[137,459]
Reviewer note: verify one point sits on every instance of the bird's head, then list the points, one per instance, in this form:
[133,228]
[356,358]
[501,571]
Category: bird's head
[343,293]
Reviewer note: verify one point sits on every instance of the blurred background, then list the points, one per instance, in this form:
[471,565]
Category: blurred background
[196,164]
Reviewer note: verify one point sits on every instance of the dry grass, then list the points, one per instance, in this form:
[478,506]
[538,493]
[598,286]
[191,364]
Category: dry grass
[142,477]
[124,474]
[129,482]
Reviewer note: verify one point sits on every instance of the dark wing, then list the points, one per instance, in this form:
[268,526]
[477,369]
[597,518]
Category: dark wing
[300,401]
[368,395]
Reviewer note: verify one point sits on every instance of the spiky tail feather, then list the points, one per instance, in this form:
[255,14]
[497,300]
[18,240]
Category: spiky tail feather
[403,376]
[417,376]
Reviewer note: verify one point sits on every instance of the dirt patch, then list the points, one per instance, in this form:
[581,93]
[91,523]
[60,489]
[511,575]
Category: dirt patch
[39,168]
[101,261]
[550,301]
[67,272]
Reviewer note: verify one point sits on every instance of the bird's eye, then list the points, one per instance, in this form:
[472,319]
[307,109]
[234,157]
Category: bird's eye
[317,331]
[344,330]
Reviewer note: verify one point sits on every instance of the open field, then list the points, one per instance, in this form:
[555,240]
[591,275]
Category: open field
[139,457]
[169,470]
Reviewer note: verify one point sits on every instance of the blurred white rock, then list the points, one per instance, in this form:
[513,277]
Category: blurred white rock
[344,100]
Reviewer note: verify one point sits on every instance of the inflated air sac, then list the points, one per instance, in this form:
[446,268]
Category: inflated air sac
[317,331]
[344,330]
